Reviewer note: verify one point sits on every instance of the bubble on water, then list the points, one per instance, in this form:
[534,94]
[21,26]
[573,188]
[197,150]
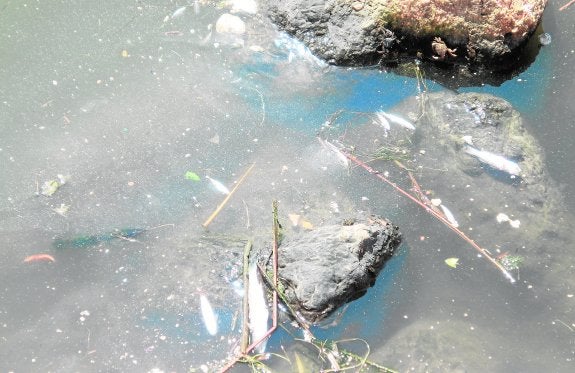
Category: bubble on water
[545,39]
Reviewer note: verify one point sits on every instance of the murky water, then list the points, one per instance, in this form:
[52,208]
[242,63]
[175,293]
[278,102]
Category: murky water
[123,99]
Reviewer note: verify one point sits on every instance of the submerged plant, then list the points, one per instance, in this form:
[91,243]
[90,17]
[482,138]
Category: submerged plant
[391,153]
[510,262]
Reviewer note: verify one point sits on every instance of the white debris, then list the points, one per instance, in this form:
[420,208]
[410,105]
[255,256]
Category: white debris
[244,6]
[230,24]
[436,202]
[501,217]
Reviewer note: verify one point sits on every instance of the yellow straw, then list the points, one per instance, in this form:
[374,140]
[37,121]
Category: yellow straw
[221,205]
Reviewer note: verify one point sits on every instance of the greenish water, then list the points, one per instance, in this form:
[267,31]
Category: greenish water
[110,95]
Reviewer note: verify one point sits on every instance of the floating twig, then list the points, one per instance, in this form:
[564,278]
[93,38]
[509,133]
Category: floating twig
[436,214]
[566,5]
[221,205]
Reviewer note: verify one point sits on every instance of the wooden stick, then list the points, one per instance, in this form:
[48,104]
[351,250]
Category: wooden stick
[221,205]
[566,5]
[440,217]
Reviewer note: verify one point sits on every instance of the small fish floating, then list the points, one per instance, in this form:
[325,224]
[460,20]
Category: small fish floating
[178,12]
[382,121]
[341,158]
[208,315]
[219,186]
[449,216]
[398,120]
[494,160]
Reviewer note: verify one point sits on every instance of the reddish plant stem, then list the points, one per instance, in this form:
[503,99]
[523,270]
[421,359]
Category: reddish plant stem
[437,215]
[566,5]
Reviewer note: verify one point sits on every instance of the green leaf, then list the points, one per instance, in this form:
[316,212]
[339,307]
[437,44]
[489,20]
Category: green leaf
[452,262]
[192,176]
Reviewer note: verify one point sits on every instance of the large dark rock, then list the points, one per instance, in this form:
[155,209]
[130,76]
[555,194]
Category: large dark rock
[322,269]
[484,36]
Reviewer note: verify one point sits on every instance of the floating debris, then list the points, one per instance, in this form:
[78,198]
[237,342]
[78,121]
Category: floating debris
[545,38]
[334,207]
[452,262]
[190,175]
[215,139]
[501,218]
[294,219]
[208,315]
[230,24]
[62,210]
[244,6]
[39,258]
[219,186]
[306,224]
[51,186]
[79,242]
[467,139]
[436,202]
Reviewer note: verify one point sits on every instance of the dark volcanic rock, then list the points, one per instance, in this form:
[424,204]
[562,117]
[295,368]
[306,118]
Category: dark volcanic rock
[323,269]
[483,36]
[331,29]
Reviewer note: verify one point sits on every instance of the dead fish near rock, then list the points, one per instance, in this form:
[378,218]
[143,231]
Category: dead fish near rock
[496,161]
[258,312]
[397,120]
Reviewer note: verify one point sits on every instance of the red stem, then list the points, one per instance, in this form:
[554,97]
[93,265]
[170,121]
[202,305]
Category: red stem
[441,218]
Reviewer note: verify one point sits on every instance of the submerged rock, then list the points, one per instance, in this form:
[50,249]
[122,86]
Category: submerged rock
[323,269]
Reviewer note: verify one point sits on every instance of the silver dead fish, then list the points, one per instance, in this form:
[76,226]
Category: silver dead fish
[494,160]
[341,158]
[449,216]
[382,121]
[258,310]
[398,120]
[218,185]
[208,315]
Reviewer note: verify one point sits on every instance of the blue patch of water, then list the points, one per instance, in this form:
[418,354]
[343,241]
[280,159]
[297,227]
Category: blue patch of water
[363,317]
[311,91]
[526,91]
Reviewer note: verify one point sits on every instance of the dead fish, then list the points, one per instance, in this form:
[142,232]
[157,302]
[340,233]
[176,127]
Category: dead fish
[218,185]
[208,315]
[494,160]
[342,159]
[449,216]
[398,120]
[178,12]
[258,309]
[382,121]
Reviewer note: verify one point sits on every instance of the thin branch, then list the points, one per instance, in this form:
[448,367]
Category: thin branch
[221,205]
[566,5]
[437,215]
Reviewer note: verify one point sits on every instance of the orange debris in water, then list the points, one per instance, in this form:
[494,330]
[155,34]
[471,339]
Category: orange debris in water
[39,258]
